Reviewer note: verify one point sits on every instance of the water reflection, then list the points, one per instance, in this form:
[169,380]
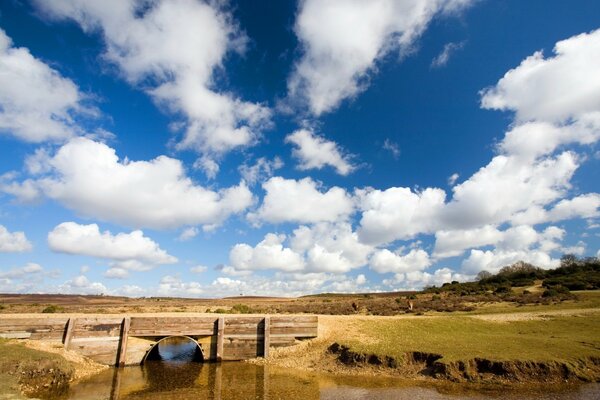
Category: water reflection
[240,381]
[173,375]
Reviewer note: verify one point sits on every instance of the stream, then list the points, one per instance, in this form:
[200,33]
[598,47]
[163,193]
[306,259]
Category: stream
[174,375]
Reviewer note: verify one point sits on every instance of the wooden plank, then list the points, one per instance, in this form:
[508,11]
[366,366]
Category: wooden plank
[15,335]
[172,332]
[69,332]
[146,323]
[220,337]
[295,318]
[33,321]
[267,337]
[300,332]
[124,337]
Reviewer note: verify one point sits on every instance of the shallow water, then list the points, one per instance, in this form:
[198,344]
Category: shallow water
[176,377]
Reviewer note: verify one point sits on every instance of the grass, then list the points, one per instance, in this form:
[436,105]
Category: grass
[28,365]
[585,300]
[463,338]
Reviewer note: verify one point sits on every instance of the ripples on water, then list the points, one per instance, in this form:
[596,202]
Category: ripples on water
[175,377]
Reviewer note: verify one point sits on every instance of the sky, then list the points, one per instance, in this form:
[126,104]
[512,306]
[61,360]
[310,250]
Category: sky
[215,148]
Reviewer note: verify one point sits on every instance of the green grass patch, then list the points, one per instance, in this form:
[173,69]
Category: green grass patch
[19,364]
[464,338]
[584,300]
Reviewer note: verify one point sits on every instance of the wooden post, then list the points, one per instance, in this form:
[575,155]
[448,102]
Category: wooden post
[123,348]
[220,337]
[69,332]
[267,337]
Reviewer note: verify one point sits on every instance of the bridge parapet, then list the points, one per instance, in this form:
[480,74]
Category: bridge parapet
[125,340]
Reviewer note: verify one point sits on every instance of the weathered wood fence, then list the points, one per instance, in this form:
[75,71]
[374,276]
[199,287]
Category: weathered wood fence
[127,340]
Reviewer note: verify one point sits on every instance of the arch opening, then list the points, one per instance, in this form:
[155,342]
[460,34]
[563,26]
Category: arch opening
[176,349]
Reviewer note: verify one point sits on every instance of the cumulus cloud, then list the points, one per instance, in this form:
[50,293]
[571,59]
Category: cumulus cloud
[517,244]
[261,170]
[88,177]
[418,279]
[384,261]
[303,201]
[320,248]
[22,272]
[174,286]
[13,242]
[37,104]
[552,89]
[25,279]
[82,285]
[188,234]
[330,247]
[315,152]
[454,243]
[73,238]
[268,254]
[171,49]
[343,40]
[398,213]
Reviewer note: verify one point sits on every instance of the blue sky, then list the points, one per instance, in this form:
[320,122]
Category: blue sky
[186,148]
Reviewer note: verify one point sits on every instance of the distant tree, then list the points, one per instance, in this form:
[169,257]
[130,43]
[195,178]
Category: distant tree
[484,275]
[567,260]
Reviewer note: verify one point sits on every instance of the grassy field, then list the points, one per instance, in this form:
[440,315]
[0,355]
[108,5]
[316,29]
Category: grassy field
[553,338]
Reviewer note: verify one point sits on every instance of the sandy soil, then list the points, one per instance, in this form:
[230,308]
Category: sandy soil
[83,366]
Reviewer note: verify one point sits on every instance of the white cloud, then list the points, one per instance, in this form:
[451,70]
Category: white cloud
[198,269]
[82,285]
[116,273]
[449,49]
[174,286]
[320,248]
[88,177]
[493,260]
[316,152]
[578,249]
[453,178]
[330,247]
[398,213]
[419,279]
[188,234]
[72,238]
[454,243]
[289,200]
[261,170]
[552,89]
[13,242]
[392,147]
[535,139]
[36,103]
[268,254]
[384,261]
[508,185]
[22,272]
[171,49]
[25,279]
[343,40]
[361,279]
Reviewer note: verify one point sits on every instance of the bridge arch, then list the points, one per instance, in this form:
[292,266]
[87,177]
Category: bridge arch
[198,356]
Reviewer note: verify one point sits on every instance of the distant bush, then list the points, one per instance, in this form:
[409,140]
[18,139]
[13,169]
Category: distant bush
[241,309]
[2,306]
[51,309]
